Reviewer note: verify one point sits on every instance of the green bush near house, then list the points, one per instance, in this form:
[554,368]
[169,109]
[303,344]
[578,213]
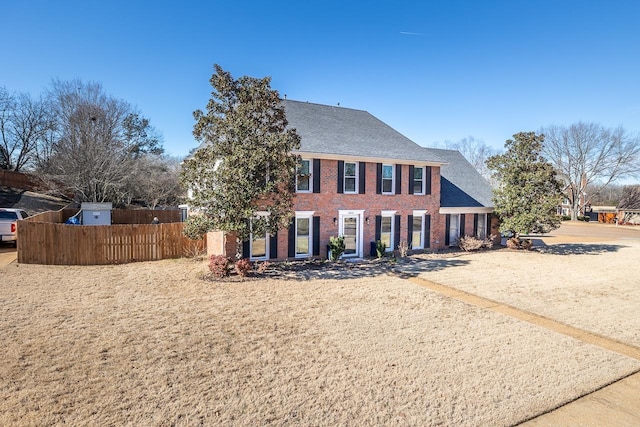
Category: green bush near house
[336,247]
[381,248]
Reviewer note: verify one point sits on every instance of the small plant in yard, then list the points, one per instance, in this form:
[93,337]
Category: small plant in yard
[219,266]
[472,243]
[242,267]
[381,248]
[403,248]
[336,247]
[517,243]
[261,267]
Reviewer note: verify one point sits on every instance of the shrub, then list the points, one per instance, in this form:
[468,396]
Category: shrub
[242,267]
[565,218]
[219,266]
[197,226]
[381,248]
[403,248]
[261,267]
[336,247]
[584,218]
[517,243]
[472,243]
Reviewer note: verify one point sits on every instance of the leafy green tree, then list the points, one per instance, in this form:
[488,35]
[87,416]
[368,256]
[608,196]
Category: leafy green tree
[245,163]
[529,194]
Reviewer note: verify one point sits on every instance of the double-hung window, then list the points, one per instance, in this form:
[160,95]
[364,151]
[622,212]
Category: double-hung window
[303,176]
[418,180]
[417,232]
[350,177]
[481,226]
[387,179]
[304,235]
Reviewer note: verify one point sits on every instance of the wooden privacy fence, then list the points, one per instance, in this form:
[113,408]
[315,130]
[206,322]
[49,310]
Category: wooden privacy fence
[44,239]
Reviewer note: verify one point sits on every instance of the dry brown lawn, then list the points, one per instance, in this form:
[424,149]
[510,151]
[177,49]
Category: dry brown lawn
[151,344]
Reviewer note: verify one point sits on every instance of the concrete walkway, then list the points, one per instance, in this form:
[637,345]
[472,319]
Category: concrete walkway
[7,257]
[617,404]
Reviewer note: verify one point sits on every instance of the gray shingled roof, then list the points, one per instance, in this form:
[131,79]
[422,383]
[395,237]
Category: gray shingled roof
[326,129]
[461,185]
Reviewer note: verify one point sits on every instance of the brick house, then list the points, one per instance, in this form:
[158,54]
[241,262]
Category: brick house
[363,180]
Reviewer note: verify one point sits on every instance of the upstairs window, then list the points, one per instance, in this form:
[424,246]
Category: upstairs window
[418,180]
[387,179]
[350,177]
[303,176]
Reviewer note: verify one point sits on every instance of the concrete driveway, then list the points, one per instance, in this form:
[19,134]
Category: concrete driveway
[587,232]
[8,255]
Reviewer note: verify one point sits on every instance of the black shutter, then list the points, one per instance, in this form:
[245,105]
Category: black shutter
[409,230]
[291,246]
[427,182]
[378,227]
[447,225]
[398,179]
[396,232]
[361,179]
[316,175]
[246,249]
[273,246]
[378,178]
[340,176]
[411,176]
[427,231]
[316,236]
[475,225]
[462,220]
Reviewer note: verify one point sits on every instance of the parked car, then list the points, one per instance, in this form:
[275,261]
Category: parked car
[9,224]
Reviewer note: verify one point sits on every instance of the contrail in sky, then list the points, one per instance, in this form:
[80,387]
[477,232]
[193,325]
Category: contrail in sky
[407,33]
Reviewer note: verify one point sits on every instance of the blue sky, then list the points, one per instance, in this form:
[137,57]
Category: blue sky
[433,70]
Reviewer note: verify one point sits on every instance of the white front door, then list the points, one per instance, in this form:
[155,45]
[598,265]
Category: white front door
[351,229]
[350,233]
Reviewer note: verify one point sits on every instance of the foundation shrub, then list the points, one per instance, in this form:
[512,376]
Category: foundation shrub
[242,267]
[219,266]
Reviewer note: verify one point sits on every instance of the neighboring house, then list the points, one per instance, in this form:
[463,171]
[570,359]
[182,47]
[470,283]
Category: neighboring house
[363,180]
[628,209]
[466,199]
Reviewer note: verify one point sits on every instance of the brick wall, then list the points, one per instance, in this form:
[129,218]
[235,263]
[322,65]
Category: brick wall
[328,202]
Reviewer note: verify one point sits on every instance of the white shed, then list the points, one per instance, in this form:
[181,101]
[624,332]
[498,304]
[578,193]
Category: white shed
[96,213]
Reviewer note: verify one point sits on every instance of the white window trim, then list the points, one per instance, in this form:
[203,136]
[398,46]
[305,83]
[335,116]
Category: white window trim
[393,180]
[310,190]
[308,215]
[344,179]
[390,214]
[422,214]
[424,174]
[266,241]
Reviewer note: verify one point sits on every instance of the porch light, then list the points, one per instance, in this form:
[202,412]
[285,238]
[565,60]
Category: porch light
[335,221]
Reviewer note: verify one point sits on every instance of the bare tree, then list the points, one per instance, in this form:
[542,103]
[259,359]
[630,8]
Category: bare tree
[24,123]
[158,180]
[610,196]
[96,141]
[476,152]
[588,154]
